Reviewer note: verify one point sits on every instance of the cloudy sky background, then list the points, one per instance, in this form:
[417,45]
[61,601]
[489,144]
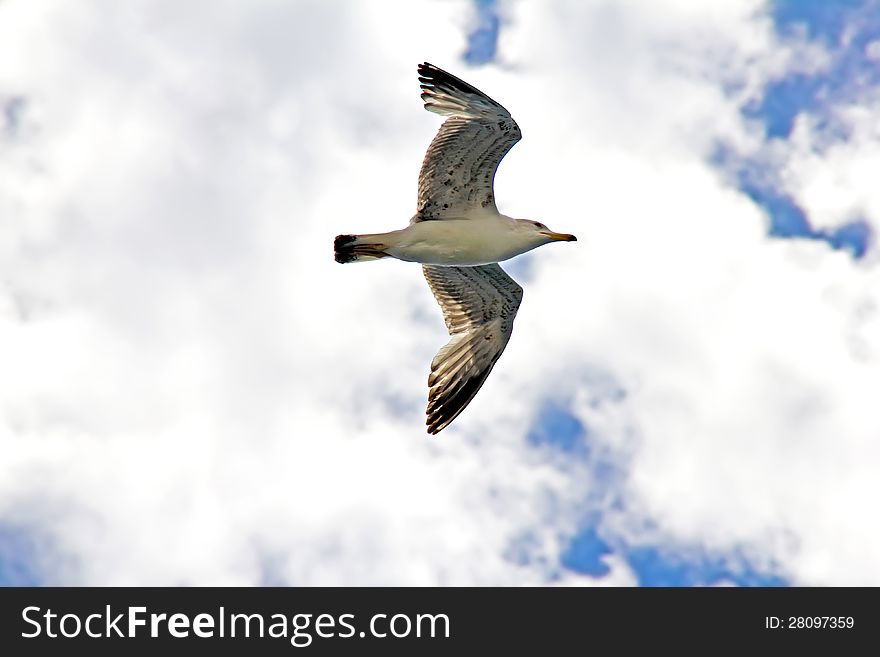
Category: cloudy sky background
[193,392]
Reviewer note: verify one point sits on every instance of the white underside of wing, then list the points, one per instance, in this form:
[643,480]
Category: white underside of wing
[459,168]
[479,305]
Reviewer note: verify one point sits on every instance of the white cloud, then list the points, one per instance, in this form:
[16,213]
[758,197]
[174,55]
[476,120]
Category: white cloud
[832,177]
[194,392]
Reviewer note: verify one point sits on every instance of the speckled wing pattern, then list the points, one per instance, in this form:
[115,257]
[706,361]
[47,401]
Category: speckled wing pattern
[459,167]
[479,305]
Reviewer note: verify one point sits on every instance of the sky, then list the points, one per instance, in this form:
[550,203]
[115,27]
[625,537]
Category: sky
[192,392]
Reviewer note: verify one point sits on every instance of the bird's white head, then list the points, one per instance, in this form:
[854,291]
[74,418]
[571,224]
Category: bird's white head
[541,234]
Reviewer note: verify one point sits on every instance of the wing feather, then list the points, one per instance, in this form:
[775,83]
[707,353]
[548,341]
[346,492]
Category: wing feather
[479,305]
[458,172]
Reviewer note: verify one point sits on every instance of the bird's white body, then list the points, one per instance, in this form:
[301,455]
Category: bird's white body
[458,242]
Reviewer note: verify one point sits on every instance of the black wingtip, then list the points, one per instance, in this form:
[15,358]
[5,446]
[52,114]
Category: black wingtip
[442,411]
[428,74]
[434,78]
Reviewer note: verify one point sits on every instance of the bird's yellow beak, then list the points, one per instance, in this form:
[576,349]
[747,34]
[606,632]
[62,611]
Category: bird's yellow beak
[559,237]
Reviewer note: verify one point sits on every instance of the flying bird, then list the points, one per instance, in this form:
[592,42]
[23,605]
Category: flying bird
[458,236]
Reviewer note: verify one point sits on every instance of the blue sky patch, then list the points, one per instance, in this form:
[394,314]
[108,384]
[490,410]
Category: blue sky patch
[482,40]
[822,19]
[855,236]
[658,567]
[846,28]
[585,553]
[18,560]
[783,101]
[664,566]
[654,565]
[786,218]
[557,427]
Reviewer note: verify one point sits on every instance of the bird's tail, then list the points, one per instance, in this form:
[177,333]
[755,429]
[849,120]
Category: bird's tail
[358,248]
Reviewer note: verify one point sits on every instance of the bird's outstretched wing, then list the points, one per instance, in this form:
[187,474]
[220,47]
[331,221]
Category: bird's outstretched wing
[479,305]
[459,167]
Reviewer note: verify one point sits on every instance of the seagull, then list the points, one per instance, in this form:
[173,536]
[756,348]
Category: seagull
[459,237]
